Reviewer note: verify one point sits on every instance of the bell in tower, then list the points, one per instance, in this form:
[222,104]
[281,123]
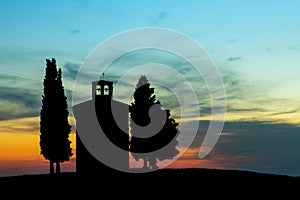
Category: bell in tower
[102,89]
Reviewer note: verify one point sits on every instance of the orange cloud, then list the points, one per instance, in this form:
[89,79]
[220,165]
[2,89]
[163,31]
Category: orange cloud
[215,160]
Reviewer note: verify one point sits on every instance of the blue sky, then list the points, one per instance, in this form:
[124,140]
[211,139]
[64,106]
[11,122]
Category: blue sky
[255,45]
[257,42]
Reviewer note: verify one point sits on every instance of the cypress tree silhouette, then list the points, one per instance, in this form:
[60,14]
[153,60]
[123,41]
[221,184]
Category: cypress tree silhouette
[144,99]
[54,125]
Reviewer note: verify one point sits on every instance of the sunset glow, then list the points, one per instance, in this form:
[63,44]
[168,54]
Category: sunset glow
[20,150]
[255,46]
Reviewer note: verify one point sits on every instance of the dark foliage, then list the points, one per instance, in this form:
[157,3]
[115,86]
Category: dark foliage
[160,146]
[54,125]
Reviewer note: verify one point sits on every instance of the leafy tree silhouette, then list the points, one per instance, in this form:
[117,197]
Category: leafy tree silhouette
[145,148]
[54,125]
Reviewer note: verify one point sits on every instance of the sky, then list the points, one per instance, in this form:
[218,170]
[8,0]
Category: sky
[255,45]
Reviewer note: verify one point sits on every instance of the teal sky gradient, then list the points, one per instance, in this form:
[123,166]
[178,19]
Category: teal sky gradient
[258,39]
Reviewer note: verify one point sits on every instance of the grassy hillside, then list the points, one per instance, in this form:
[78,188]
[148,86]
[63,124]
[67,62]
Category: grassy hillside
[227,183]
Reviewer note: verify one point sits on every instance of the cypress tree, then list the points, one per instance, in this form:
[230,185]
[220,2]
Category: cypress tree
[54,125]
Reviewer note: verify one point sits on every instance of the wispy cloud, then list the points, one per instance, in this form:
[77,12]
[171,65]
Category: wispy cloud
[233,40]
[26,125]
[231,108]
[70,70]
[21,96]
[248,100]
[18,102]
[215,160]
[73,32]
[286,112]
[259,146]
[158,18]
[245,99]
[236,58]
[294,47]
[162,15]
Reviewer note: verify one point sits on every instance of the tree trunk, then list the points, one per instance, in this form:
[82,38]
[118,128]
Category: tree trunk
[153,163]
[51,167]
[145,163]
[57,167]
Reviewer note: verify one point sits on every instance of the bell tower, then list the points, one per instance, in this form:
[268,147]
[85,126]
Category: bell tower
[102,89]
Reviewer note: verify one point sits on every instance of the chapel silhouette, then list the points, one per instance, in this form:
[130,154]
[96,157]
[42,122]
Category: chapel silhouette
[112,143]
